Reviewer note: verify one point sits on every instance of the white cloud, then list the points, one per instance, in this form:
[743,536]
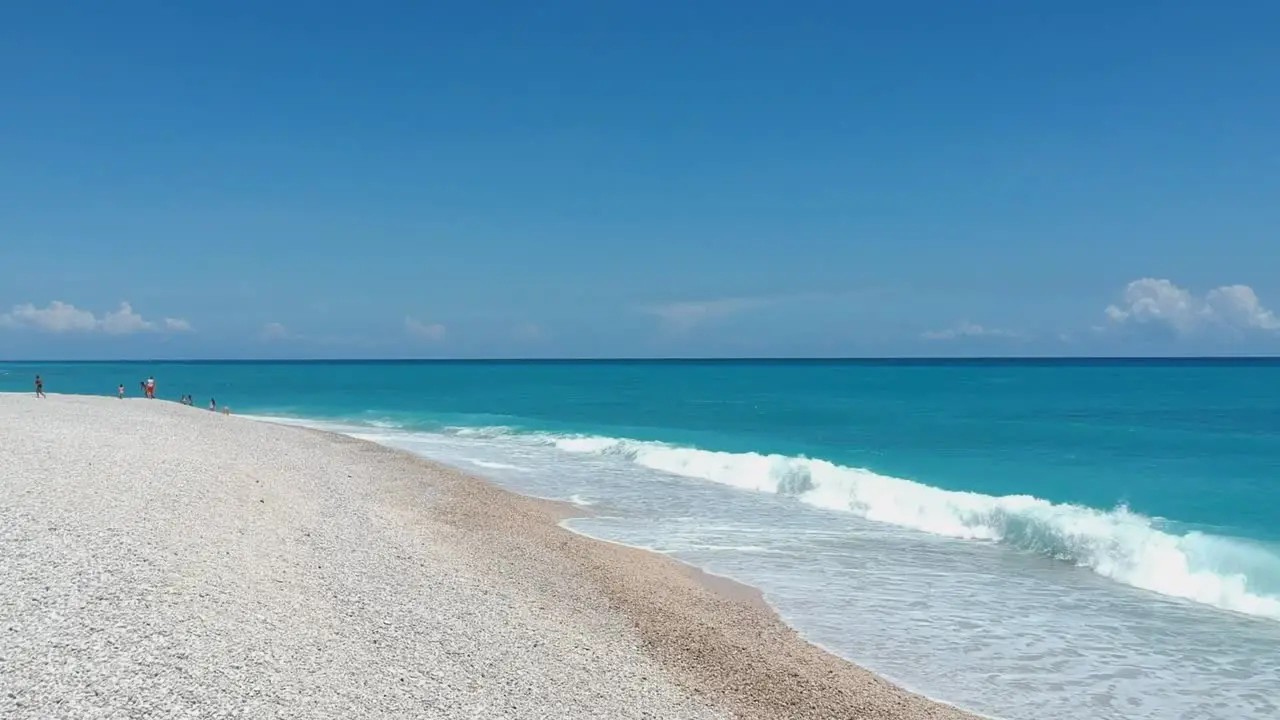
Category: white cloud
[433,332]
[125,321]
[1151,301]
[966,329]
[274,331]
[684,316]
[1238,306]
[61,317]
[58,317]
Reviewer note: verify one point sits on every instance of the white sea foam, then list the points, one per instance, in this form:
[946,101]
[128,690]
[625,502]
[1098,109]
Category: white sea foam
[493,465]
[1118,544]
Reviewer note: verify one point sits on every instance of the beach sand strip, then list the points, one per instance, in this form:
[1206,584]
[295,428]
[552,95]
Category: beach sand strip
[158,560]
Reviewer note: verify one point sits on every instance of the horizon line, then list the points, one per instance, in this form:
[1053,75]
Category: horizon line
[657,359]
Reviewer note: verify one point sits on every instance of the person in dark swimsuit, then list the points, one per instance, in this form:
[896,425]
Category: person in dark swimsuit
[39,387]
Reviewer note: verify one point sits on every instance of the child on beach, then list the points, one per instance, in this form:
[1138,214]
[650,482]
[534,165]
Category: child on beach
[120,391]
[39,387]
[151,388]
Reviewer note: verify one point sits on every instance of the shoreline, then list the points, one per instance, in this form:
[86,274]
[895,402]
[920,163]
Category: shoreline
[737,591]
[705,624]
[179,558]
[565,511]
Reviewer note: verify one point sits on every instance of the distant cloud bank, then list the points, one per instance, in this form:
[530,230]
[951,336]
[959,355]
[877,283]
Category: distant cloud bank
[1151,301]
[966,329]
[417,329]
[1145,306]
[275,331]
[684,316]
[1225,312]
[59,317]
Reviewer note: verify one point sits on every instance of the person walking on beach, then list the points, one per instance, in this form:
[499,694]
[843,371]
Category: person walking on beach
[39,387]
[120,391]
[151,388]
[213,405]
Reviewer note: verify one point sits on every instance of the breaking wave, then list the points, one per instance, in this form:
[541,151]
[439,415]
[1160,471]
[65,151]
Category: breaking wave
[1118,544]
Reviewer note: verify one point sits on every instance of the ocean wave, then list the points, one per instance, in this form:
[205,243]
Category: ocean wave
[1118,544]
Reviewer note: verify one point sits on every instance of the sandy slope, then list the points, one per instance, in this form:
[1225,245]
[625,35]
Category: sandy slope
[164,561]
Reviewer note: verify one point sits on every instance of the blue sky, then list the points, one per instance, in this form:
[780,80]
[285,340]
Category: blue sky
[635,179]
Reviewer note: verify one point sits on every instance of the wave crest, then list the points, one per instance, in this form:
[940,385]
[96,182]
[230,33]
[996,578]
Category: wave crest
[1118,544]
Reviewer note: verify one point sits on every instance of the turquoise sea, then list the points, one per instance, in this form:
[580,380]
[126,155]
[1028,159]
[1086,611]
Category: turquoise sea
[1034,540]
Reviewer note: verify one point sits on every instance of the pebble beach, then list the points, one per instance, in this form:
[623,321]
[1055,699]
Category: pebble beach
[162,561]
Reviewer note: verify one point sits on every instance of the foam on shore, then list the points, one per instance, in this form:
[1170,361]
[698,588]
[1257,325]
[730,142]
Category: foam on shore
[170,560]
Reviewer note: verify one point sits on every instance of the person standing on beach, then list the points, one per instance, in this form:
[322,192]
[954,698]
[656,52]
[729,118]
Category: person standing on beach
[213,405]
[151,388]
[39,387]
[120,391]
